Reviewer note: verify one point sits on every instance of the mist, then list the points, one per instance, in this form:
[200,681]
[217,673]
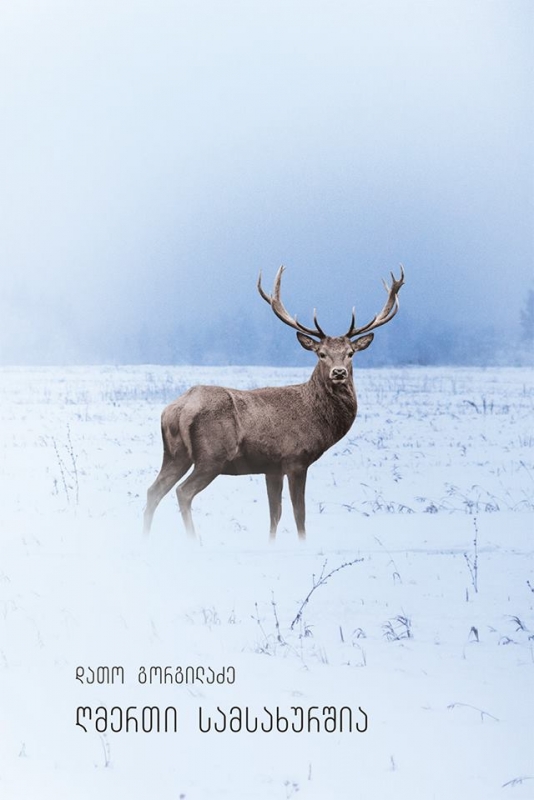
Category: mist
[157,156]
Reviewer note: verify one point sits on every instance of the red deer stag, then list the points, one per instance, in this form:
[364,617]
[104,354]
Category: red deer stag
[274,431]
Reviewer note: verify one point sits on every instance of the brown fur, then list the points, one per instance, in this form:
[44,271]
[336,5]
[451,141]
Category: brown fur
[275,431]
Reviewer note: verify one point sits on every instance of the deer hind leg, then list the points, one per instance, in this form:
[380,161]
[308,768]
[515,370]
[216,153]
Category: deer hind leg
[172,469]
[297,486]
[274,493]
[201,477]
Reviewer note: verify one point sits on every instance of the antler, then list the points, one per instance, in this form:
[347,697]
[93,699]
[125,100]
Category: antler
[280,311]
[387,313]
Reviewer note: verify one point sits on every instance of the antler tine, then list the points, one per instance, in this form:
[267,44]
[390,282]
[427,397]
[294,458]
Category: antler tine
[260,290]
[353,318]
[319,329]
[279,309]
[388,312]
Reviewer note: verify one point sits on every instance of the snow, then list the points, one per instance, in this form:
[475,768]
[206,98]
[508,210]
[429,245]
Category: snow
[431,495]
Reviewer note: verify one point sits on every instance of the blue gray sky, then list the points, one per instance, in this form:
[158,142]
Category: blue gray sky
[156,155]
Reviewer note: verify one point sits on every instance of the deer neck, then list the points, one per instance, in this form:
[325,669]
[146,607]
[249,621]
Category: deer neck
[334,404]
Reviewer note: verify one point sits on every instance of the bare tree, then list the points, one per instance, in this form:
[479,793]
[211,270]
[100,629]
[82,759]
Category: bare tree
[274,431]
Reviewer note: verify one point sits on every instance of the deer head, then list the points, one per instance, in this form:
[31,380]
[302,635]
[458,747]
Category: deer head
[334,352]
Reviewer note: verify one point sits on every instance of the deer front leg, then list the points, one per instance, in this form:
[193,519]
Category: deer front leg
[274,493]
[297,486]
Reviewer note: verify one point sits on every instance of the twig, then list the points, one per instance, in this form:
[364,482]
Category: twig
[518,781]
[320,582]
[106,749]
[74,465]
[472,564]
[276,621]
[62,469]
[480,711]
[391,560]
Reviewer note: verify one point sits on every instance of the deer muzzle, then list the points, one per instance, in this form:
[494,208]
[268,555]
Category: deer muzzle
[338,374]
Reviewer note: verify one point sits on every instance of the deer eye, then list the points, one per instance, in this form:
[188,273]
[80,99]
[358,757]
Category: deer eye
[322,355]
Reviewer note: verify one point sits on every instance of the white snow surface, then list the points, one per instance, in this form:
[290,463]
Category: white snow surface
[431,494]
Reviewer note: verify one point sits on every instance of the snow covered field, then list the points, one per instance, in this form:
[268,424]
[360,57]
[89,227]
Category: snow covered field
[425,510]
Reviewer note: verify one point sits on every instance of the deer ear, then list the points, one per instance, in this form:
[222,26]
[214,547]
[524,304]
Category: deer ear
[307,342]
[362,342]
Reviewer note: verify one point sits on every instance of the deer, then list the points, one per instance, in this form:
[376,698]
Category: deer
[276,431]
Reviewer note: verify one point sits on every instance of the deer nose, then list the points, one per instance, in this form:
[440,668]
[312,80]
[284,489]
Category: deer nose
[338,373]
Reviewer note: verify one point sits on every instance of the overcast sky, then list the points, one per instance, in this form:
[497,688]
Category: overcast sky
[156,155]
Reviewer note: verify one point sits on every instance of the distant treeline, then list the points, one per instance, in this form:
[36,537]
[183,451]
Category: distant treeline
[244,340]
